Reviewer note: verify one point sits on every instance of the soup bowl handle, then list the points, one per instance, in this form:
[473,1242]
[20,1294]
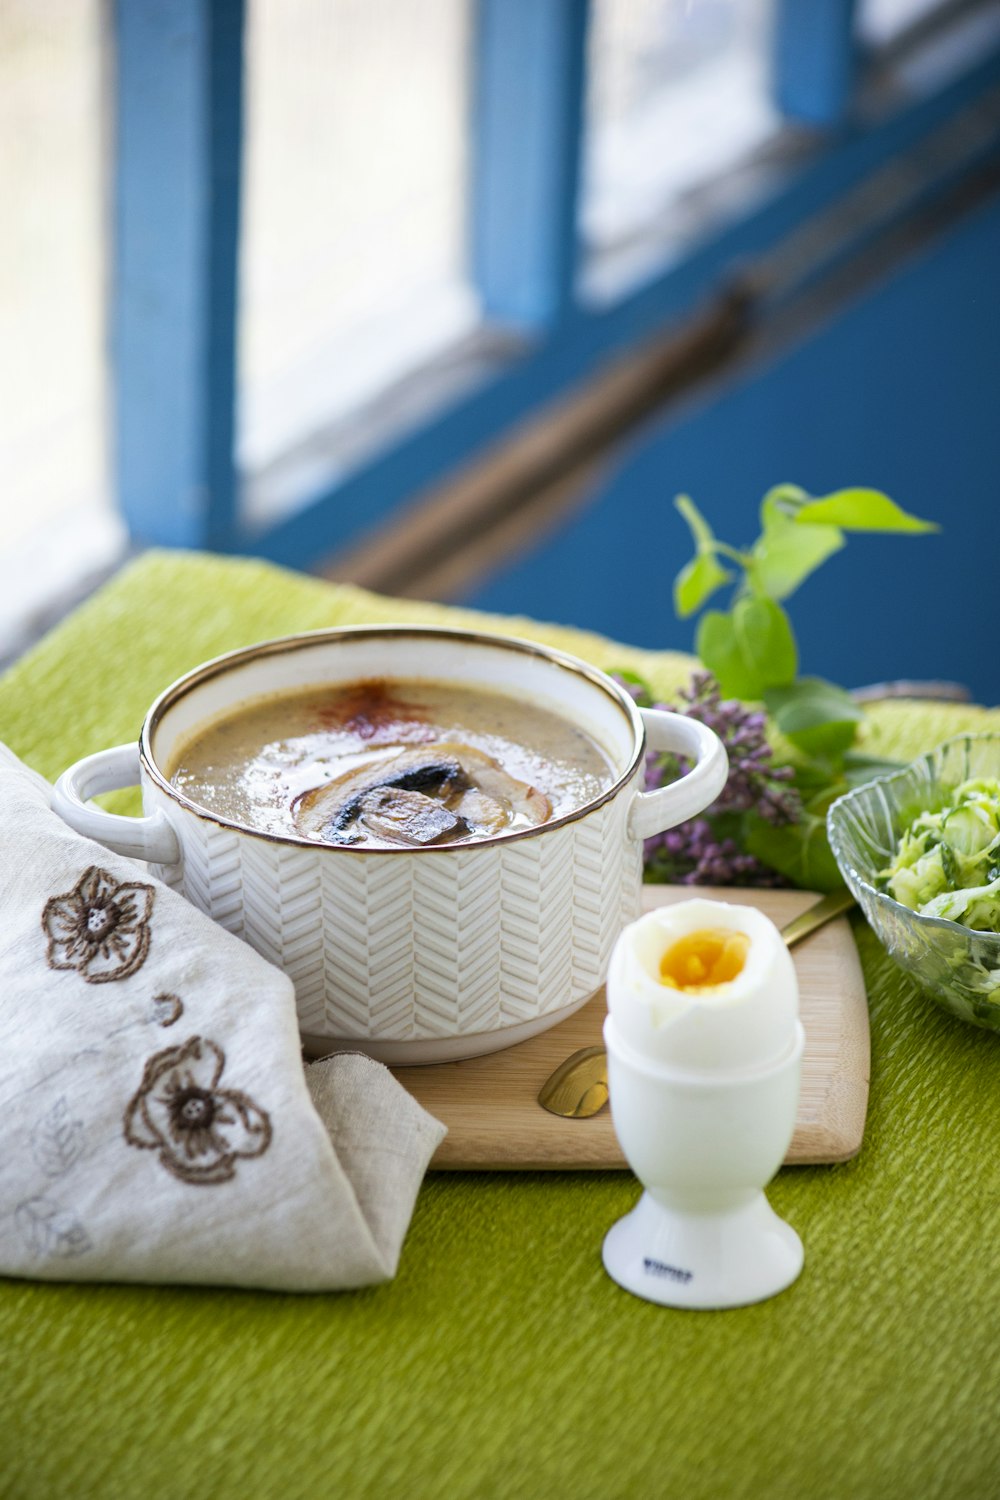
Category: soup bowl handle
[150,838]
[655,812]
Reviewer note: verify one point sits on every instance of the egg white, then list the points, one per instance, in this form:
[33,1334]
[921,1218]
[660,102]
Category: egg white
[744,1023]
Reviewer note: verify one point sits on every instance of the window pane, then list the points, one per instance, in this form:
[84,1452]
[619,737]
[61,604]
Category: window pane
[678,92]
[882,21]
[353,261]
[51,266]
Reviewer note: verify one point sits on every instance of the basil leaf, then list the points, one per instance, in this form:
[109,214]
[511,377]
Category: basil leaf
[813,700]
[814,715]
[782,503]
[699,579]
[748,650]
[765,640]
[704,537]
[860,510]
[697,582]
[799,851]
[719,650]
[812,782]
[860,767]
[786,554]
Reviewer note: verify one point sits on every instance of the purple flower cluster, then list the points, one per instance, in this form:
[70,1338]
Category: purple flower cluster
[706,850]
[695,853]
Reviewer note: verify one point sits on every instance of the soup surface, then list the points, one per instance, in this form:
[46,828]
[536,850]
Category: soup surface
[385,763]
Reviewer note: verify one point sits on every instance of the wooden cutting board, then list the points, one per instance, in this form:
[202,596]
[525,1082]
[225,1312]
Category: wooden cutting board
[490,1104]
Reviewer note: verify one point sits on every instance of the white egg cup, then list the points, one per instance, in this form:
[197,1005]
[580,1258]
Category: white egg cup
[704,1146]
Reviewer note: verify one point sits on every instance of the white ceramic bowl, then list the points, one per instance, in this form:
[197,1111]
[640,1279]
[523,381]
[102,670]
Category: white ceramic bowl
[413,955]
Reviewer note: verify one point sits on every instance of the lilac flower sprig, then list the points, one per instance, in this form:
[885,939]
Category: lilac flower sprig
[707,850]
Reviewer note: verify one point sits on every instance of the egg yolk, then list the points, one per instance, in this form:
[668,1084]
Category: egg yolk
[703,960]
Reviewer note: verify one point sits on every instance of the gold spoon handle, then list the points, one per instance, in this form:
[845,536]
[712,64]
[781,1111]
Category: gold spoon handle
[578,1088]
[817,915]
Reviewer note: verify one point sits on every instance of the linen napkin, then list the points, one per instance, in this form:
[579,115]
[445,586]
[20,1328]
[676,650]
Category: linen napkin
[156,1121]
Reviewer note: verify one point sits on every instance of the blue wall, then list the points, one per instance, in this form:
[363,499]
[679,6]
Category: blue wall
[902,392]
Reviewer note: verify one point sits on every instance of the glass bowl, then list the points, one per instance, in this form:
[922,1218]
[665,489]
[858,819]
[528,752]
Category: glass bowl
[957,966]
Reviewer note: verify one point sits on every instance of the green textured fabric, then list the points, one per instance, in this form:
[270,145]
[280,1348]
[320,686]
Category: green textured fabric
[502,1361]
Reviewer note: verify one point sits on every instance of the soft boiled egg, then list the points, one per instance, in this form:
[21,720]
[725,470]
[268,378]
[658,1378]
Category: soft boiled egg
[704,985]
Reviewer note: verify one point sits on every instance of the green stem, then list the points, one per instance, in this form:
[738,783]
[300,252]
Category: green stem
[742,558]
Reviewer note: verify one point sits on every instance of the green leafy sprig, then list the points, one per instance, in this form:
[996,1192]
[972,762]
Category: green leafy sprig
[751,651]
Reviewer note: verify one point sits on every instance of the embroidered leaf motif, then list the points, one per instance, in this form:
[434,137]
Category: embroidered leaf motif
[49,1229]
[58,1140]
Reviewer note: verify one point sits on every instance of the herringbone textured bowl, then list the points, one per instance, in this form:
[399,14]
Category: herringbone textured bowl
[456,948]
[415,955]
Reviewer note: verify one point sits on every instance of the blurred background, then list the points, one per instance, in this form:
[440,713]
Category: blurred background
[451,297]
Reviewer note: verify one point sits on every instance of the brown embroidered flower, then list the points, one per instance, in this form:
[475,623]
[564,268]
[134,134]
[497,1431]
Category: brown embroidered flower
[99,928]
[199,1129]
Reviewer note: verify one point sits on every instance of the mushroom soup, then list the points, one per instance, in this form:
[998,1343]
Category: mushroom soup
[382,763]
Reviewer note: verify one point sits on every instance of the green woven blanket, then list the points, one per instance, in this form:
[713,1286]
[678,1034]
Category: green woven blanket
[502,1361]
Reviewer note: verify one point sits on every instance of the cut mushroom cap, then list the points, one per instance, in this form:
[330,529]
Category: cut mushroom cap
[489,776]
[482,813]
[395,816]
[477,795]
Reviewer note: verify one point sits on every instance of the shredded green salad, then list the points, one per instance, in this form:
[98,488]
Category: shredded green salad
[947,863]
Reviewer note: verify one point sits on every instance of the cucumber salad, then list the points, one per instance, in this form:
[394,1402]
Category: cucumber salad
[947,862]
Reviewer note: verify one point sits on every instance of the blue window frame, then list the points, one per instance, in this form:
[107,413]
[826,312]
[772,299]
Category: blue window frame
[176,225]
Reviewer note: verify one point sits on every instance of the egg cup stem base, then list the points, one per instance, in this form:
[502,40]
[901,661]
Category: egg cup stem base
[703,1260]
